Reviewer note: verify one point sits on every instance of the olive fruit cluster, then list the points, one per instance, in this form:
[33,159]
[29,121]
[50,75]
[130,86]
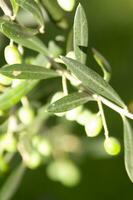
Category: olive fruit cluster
[91,121]
[34,151]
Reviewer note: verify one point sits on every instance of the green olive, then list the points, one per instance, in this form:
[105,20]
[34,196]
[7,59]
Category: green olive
[12,55]
[67,5]
[4,80]
[73,114]
[26,115]
[83,117]
[33,160]
[42,145]
[94,125]
[64,171]
[8,142]
[112,146]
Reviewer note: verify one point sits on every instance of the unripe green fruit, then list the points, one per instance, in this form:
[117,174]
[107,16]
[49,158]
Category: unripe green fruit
[26,115]
[66,5]
[42,145]
[73,114]
[33,160]
[8,143]
[12,55]
[4,80]
[94,126]
[112,146]
[64,171]
[83,117]
[56,97]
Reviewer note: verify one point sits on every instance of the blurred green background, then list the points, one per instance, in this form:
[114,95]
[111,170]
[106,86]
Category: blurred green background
[110,32]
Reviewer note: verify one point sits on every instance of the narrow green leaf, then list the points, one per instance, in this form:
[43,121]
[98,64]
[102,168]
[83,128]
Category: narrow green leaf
[69,42]
[80,35]
[128,148]
[92,81]
[26,71]
[15,7]
[69,102]
[15,29]
[33,8]
[22,36]
[55,12]
[13,95]
[12,183]
[103,63]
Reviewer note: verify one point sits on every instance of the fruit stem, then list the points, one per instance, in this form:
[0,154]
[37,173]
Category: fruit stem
[121,111]
[101,111]
[5,8]
[64,85]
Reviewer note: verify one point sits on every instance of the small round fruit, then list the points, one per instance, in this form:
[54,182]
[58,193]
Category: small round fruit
[64,171]
[4,80]
[56,97]
[33,160]
[73,114]
[26,115]
[94,126]
[112,146]
[12,55]
[83,117]
[42,145]
[67,5]
[8,143]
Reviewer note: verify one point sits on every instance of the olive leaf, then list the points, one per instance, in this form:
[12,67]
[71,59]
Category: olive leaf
[92,81]
[15,7]
[69,102]
[80,34]
[33,8]
[128,147]
[23,36]
[103,63]
[15,29]
[13,95]
[26,71]
[12,183]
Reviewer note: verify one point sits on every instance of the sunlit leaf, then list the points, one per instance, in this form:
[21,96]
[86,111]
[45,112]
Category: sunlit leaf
[12,183]
[103,63]
[80,35]
[23,36]
[69,43]
[13,95]
[69,102]
[15,29]
[26,71]
[128,148]
[92,81]
[32,7]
